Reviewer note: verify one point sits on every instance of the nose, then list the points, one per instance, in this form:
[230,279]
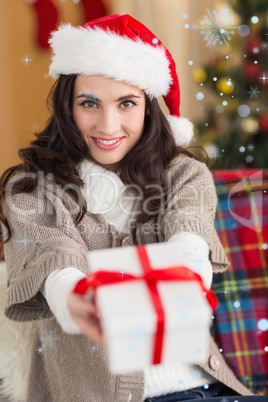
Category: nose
[108,122]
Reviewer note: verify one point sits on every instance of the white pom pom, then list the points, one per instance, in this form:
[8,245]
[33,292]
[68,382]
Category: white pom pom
[182,129]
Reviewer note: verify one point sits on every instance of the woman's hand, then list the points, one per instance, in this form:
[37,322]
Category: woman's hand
[84,313]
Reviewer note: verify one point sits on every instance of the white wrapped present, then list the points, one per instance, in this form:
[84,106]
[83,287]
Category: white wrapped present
[148,282]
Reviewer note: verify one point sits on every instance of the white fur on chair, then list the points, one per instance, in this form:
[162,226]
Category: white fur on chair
[16,341]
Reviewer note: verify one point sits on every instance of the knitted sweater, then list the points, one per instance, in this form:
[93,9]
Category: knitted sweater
[104,193]
[46,237]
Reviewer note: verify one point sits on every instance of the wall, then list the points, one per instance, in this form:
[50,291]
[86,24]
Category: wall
[24,86]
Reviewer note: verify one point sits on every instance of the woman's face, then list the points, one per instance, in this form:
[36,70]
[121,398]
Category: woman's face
[110,116]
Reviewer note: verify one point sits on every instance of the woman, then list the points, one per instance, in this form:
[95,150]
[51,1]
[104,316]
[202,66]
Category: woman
[106,172]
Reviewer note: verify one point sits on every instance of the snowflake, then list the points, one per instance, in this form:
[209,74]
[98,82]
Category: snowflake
[244,286]
[25,241]
[246,378]
[138,333]
[26,60]
[39,350]
[264,45]
[255,50]
[217,28]
[225,292]
[185,16]
[47,339]
[198,262]
[263,78]
[224,399]
[249,158]
[250,147]
[254,92]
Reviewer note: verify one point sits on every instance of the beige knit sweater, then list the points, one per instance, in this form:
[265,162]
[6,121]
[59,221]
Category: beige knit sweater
[45,237]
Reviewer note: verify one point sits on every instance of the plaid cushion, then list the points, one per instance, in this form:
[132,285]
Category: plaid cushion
[240,326]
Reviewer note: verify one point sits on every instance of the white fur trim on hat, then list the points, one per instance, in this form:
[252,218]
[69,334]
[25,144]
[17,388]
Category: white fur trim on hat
[134,62]
[182,129]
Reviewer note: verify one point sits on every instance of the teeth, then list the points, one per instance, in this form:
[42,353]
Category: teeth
[108,142]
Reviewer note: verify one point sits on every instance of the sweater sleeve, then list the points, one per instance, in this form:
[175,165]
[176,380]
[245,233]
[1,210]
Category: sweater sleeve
[56,289]
[191,207]
[44,238]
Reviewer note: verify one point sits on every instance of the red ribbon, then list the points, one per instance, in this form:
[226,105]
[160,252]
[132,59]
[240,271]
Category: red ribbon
[151,277]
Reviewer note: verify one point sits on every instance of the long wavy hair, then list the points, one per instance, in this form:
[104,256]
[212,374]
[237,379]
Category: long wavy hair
[60,147]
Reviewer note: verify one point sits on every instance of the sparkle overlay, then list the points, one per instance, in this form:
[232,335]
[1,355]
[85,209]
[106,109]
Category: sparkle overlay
[48,339]
[185,16]
[249,158]
[217,28]
[182,313]
[139,334]
[254,92]
[250,147]
[263,78]
[199,262]
[25,241]
[26,60]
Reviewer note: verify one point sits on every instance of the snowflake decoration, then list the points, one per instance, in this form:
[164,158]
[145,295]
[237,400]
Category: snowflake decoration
[250,147]
[249,158]
[254,92]
[217,28]
[224,399]
[185,16]
[225,292]
[255,50]
[263,78]
[138,333]
[199,261]
[245,286]
[216,155]
[47,339]
[39,350]
[26,60]
[24,241]
[246,378]
[264,45]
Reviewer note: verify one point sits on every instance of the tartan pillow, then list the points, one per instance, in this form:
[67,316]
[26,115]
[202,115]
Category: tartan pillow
[240,324]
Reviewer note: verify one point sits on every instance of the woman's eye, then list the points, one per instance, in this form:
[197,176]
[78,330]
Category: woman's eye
[89,104]
[127,104]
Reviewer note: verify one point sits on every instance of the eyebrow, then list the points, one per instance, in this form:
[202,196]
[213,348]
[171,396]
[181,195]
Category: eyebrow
[92,97]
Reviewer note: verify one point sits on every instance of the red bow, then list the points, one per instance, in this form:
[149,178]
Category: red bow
[151,277]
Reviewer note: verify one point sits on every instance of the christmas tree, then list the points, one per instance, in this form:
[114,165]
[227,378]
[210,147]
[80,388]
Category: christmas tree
[234,131]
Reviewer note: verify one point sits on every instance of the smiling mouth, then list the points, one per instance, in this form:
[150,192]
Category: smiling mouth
[110,142]
[106,145]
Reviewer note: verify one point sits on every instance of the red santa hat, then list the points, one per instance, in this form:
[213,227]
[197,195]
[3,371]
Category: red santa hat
[122,48]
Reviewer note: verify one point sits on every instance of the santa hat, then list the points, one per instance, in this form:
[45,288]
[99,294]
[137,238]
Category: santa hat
[122,48]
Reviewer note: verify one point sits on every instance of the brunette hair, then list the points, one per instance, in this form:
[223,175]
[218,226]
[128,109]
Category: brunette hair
[60,147]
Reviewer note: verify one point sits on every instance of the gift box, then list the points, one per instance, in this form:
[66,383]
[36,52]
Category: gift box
[152,309]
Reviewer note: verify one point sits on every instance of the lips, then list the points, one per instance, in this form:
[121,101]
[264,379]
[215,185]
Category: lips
[108,147]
